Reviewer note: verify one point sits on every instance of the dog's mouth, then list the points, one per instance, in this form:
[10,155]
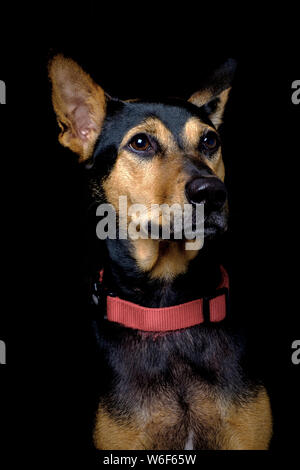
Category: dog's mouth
[174,222]
[215,223]
[198,225]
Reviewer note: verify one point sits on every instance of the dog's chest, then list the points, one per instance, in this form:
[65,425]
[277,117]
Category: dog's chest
[169,418]
[205,423]
[180,391]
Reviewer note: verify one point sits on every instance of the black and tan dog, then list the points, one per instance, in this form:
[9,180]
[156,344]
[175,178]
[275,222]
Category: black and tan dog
[182,387]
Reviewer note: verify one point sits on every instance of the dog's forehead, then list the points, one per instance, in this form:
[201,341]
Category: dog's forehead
[173,113]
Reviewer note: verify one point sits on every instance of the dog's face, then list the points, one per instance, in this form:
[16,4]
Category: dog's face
[164,152]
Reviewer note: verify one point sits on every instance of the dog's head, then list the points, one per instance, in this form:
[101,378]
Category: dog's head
[153,152]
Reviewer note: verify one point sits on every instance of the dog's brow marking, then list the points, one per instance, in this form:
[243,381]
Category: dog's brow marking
[191,132]
[154,126]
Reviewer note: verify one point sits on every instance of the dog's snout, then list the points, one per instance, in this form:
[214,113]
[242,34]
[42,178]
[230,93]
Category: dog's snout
[210,191]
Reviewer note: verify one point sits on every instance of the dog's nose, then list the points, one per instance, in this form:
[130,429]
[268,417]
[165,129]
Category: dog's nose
[210,191]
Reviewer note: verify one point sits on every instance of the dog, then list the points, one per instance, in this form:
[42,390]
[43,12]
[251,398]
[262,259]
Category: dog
[173,374]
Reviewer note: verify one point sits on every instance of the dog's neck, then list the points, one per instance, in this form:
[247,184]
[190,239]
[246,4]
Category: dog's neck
[124,277]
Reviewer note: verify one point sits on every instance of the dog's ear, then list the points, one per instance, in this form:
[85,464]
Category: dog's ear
[79,104]
[214,93]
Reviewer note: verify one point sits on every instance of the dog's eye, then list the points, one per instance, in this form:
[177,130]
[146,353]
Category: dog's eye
[140,143]
[210,143]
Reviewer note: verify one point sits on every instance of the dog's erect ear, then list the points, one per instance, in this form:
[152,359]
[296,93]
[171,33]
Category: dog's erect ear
[79,104]
[214,93]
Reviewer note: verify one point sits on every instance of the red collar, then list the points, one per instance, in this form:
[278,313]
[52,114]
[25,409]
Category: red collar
[192,313]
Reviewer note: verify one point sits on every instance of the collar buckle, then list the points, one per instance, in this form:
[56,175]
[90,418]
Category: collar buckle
[208,298]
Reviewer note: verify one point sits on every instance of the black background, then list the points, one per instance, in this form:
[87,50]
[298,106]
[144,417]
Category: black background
[46,382]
